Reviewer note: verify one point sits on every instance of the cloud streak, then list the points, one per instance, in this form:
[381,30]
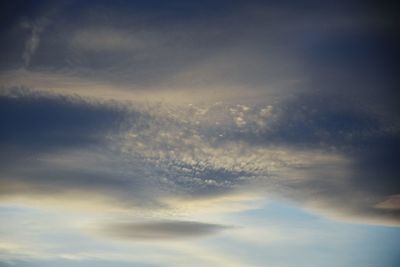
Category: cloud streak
[32,42]
[161,230]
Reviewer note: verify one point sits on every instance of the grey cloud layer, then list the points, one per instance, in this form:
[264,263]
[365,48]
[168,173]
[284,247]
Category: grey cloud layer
[341,160]
[42,122]
[324,131]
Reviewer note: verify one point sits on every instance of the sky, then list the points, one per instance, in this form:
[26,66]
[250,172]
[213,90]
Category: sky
[199,133]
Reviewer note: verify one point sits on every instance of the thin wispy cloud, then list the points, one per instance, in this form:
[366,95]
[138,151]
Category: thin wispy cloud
[32,43]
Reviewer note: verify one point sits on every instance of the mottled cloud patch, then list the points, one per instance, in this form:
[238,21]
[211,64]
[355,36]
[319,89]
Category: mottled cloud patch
[161,230]
[168,120]
[137,155]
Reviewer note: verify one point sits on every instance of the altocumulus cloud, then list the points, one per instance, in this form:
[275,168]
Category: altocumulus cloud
[142,156]
[158,121]
[299,120]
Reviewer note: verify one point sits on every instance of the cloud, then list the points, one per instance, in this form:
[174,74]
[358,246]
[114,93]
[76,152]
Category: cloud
[157,122]
[152,156]
[360,145]
[391,203]
[33,41]
[284,125]
[161,230]
[42,121]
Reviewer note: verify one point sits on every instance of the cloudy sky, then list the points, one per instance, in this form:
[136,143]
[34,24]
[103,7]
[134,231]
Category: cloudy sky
[199,133]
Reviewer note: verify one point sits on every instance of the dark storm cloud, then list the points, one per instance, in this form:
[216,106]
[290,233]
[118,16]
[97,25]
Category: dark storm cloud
[161,230]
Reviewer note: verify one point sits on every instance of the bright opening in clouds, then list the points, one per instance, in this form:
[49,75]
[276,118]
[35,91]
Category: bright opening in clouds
[199,133]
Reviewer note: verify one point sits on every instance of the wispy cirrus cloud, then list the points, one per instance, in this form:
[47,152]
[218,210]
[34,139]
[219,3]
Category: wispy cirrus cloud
[32,42]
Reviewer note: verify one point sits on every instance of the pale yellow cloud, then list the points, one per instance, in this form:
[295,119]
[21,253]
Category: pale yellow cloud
[390,203]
